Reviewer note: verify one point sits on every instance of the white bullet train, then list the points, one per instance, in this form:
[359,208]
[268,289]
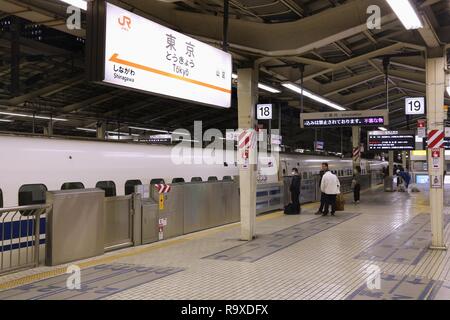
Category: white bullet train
[31,165]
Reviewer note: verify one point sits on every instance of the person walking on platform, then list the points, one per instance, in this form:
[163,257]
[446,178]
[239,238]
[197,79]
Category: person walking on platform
[331,187]
[322,195]
[356,185]
[294,188]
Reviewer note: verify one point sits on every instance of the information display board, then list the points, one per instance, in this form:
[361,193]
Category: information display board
[363,118]
[130,51]
[391,140]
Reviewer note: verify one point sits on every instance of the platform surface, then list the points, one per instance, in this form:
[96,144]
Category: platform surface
[293,257]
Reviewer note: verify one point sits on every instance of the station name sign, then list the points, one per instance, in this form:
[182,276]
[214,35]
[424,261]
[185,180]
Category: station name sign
[391,140]
[130,51]
[344,119]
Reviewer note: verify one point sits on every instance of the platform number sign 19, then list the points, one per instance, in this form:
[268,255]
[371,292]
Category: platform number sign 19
[263,111]
[415,105]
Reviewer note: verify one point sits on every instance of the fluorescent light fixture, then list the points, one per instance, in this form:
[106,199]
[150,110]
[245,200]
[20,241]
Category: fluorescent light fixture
[260,85]
[31,116]
[5,120]
[268,88]
[146,129]
[382,128]
[405,13]
[311,95]
[82,4]
[87,129]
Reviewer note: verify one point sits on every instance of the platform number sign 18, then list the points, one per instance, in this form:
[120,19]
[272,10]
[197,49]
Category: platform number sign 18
[263,111]
[415,105]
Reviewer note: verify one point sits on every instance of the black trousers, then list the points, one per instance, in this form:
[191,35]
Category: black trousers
[356,192]
[330,201]
[322,201]
[295,201]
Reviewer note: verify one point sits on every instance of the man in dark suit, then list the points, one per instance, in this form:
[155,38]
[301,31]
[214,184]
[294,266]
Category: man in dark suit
[294,188]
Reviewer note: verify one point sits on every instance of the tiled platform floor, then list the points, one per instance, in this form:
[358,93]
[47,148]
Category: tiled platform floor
[324,265]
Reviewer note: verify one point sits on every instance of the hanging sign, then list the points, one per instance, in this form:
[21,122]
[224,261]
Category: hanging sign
[135,53]
[414,106]
[391,140]
[263,111]
[364,118]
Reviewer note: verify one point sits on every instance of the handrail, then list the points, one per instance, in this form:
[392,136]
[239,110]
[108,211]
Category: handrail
[20,236]
[23,208]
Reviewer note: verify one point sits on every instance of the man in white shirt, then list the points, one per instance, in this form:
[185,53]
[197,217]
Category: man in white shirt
[330,186]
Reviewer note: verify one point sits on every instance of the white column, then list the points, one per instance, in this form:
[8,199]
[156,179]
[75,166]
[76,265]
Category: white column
[48,131]
[391,163]
[404,164]
[435,77]
[101,130]
[247,97]
[356,140]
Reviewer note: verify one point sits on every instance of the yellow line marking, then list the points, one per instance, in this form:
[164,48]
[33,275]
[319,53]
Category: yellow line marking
[115,58]
[136,251]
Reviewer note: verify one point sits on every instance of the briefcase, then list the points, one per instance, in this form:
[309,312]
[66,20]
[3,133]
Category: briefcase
[340,202]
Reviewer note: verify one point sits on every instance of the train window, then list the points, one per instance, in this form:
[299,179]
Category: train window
[196,179]
[108,186]
[130,184]
[1,199]
[157,181]
[177,180]
[72,186]
[227,178]
[212,178]
[305,175]
[32,194]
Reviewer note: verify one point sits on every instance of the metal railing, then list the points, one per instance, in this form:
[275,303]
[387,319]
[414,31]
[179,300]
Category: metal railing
[20,230]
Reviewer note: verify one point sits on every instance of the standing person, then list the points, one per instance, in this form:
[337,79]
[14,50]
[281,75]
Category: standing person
[294,188]
[406,178]
[356,185]
[322,195]
[331,187]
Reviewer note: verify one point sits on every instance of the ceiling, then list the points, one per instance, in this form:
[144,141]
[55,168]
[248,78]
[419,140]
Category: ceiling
[342,58]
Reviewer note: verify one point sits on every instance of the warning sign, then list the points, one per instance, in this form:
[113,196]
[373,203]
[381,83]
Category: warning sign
[161,202]
[436,181]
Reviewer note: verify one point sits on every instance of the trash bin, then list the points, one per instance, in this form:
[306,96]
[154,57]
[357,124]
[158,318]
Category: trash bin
[389,184]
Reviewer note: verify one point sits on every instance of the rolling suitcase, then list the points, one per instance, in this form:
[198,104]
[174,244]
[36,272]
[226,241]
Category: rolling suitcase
[340,202]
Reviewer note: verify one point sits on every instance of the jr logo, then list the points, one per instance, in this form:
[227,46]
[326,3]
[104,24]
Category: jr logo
[74,280]
[125,22]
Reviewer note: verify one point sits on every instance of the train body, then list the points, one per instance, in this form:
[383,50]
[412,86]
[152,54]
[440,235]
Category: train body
[32,165]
